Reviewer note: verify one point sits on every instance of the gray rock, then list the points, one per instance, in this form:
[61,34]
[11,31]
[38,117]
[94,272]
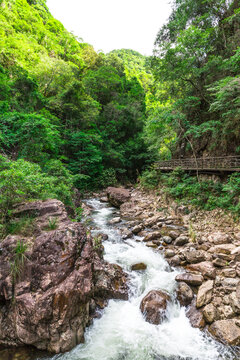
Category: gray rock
[169,253]
[174,234]
[137,229]
[218,238]
[115,220]
[167,239]
[181,240]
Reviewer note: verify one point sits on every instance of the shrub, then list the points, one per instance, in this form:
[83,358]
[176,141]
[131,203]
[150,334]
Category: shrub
[149,179]
[21,181]
[19,258]
[205,194]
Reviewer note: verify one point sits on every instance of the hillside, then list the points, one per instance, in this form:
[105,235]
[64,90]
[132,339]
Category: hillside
[70,118]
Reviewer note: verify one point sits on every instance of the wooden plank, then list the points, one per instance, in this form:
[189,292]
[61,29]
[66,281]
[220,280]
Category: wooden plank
[227,163]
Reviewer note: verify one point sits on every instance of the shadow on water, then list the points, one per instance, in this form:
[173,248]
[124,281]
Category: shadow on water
[22,353]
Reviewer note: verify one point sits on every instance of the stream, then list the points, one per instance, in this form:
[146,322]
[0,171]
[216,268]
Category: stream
[122,333]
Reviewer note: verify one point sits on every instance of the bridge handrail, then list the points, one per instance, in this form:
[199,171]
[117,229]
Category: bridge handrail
[217,163]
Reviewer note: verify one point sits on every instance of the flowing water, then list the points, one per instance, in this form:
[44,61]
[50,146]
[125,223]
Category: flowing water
[122,333]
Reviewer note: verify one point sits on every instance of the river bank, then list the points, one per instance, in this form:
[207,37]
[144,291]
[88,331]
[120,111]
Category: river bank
[206,245]
[122,331]
[144,230]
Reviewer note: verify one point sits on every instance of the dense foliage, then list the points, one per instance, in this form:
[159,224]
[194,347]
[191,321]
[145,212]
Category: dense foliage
[69,117]
[197,71]
[207,193]
[194,110]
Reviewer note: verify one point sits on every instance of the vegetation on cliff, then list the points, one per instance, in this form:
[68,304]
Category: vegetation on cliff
[197,68]
[73,118]
[69,117]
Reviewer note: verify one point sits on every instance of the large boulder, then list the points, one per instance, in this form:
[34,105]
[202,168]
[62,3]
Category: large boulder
[154,306]
[117,196]
[226,331]
[46,290]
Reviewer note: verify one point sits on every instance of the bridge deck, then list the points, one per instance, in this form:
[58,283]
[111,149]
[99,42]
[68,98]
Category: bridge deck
[227,163]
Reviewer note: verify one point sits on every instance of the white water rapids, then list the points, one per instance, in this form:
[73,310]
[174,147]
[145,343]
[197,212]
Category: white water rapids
[122,333]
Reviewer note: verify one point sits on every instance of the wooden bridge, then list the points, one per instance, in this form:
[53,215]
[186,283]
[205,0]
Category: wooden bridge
[209,164]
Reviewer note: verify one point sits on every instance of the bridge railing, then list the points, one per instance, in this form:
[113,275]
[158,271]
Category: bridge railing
[210,163]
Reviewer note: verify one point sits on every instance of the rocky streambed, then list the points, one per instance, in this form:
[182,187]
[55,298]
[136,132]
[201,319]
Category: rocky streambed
[175,286]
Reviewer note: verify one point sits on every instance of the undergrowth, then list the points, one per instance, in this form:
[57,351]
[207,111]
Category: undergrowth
[205,194]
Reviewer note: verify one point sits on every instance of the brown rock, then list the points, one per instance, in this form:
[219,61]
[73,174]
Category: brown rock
[154,306]
[184,294]
[174,234]
[152,236]
[190,279]
[209,313]
[194,256]
[204,295]
[225,312]
[226,331]
[229,272]
[169,253]
[139,266]
[153,220]
[206,268]
[235,302]
[117,196]
[137,229]
[195,316]
[219,238]
[151,244]
[222,249]
[219,262]
[174,261]
[62,274]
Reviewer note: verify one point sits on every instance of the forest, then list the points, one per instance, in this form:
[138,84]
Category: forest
[74,120]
